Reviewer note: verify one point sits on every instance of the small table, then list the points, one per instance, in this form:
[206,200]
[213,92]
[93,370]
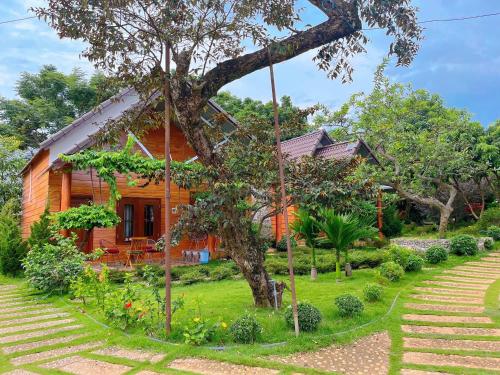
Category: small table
[133,256]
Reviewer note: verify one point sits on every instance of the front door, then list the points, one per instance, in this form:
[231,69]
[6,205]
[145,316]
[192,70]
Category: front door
[77,202]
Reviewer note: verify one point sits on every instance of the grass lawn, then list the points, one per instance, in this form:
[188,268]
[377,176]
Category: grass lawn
[229,299]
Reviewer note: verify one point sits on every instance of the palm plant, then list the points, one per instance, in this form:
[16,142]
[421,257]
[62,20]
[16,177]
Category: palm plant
[340,231]
[306,227]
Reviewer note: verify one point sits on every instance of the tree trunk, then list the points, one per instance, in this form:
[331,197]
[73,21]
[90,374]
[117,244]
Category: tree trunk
[314,272]
[445,213]
[337,265]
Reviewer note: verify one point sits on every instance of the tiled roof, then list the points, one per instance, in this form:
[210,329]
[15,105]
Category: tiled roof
[338,150]
[305,145]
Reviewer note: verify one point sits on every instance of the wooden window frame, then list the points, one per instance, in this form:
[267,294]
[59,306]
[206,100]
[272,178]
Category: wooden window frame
[139,219]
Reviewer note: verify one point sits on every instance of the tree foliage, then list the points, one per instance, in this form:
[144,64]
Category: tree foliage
[48,101]
[12,247]
[11,161]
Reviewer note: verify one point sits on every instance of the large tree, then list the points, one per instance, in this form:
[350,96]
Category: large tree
[12,159]
[48,101]
[207,39]
[426,150]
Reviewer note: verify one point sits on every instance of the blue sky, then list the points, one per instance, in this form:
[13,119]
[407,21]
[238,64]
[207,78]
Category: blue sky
[458,60]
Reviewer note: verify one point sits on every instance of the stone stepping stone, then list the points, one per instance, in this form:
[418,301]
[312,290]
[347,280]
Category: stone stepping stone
[494,255]
[456,285]
[450,299]
[406,371]
[451,344]
[476,267]
[448,319]
[462,279]
[39,333]
[83,366]
[39,344]
[450,292]
[20,372]
[466,331]
[431,359]
[30,313]
[447,308]
[29,327]
[134,355]
[42,356]
[33,319]
[17,303]
[467,274]
[484,264]
[34,307]
[478,271]
[13,299]
[368,355]
[209,367]
[147,372]
[495,259]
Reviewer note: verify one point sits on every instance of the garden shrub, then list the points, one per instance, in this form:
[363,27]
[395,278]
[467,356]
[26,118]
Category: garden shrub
[391,271]
[463,245]
[373,292]
[493,232]
[281,244]
[309,317]
[400,255]
[415,263]
[349,305]
[363,259]
[12,247]
[52,266]
[436,254]
[221,273]
[488,244]
[391,225]
[117,276]
[41,231]
[246,329]
[191,277]
[490,217]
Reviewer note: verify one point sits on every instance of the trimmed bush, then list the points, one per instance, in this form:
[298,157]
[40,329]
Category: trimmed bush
[463,245]
[246,329]
[309,317]
[221,273]
[399,255]
[191,277]
[391,225]
[349,305]
[281,245]
[117,276]
[391,271]
[373,292]
[490,217]
[488,244]
[415,263]
[436,254]
[493,232]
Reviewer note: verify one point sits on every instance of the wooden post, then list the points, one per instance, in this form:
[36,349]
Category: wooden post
[379,214]
[65,194]
[168,235]
[277,132]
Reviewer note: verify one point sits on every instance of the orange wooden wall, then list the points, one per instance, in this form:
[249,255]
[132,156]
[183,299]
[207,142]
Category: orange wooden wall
[278,222]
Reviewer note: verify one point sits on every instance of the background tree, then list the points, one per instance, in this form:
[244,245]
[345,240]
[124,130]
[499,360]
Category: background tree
[244,110]
[425,148]
[207,40]
[50,100]
[12,159]
[12,247]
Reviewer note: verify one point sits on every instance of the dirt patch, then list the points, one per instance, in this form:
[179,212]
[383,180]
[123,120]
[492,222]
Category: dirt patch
[466,331]
[209,367]
[447,308]
[84,366]
[432,359]
[448,319]
[415,343]
[369,355]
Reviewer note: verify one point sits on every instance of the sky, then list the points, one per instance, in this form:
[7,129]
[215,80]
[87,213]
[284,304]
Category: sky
[458,60]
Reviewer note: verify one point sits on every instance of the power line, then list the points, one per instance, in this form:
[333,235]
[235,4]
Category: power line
[17,20]
[374,28]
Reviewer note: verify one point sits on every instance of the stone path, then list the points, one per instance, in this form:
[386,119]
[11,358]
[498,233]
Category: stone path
[450,329]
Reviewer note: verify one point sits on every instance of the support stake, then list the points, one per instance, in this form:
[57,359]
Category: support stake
[277,132]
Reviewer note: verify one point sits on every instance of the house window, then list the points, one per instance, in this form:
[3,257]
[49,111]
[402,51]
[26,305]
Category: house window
[140,217]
